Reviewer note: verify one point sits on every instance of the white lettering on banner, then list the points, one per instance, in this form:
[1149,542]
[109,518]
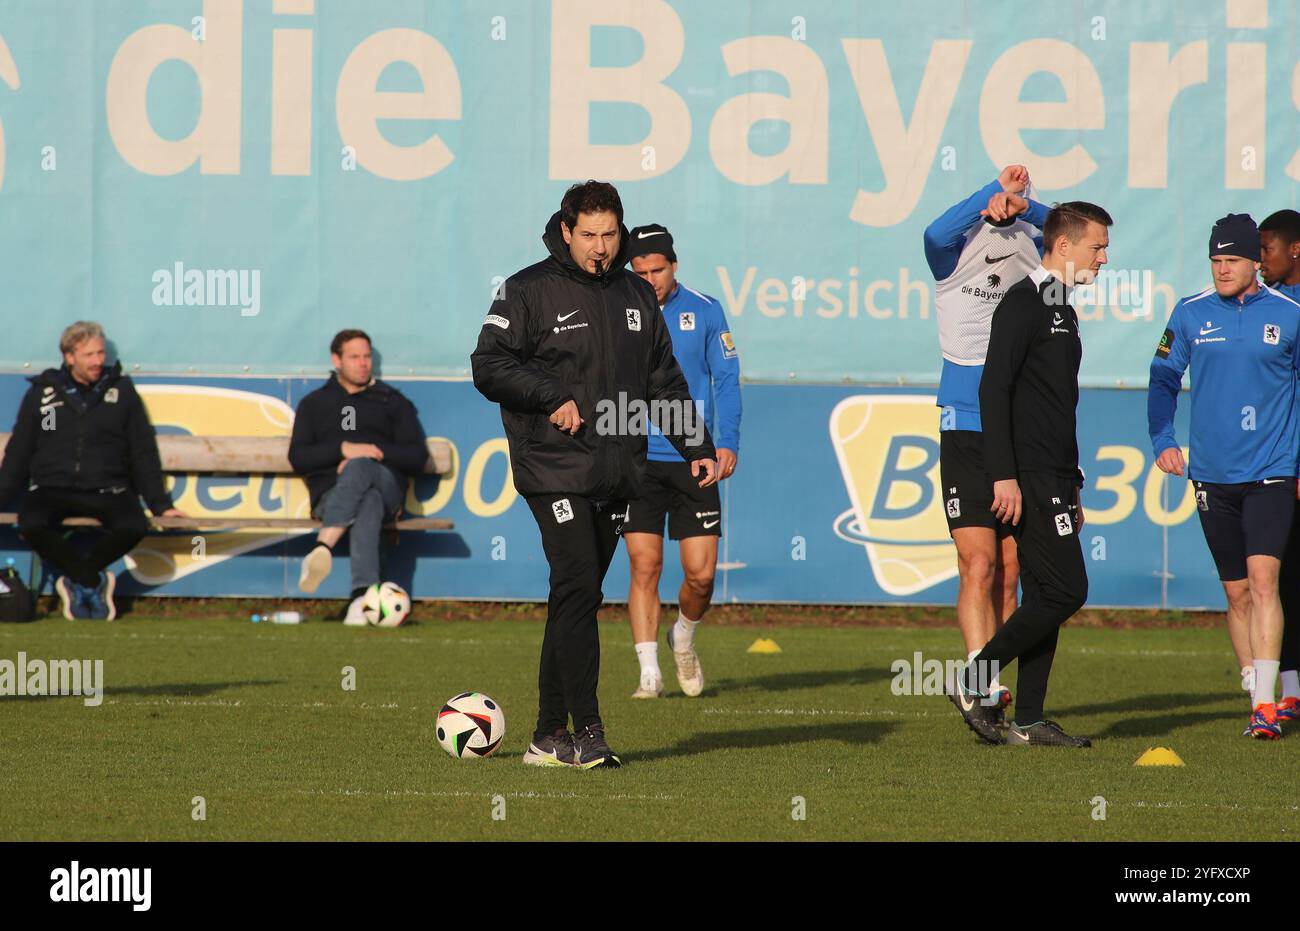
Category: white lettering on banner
[1003,114]
[905,145]
[361,106]
[217,62]
[905,151]
[1124,295]
[1162,79]
[576,84]
[8,74]
[805,111]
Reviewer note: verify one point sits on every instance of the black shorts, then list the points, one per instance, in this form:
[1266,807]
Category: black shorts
[967,488]
[671,489]
[1247,519]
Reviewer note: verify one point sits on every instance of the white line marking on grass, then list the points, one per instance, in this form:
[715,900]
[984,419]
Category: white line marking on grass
[578,796]
[809,712]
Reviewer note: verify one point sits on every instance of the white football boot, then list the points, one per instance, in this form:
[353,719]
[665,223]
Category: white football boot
[356,616]
[652,686]
[689,674]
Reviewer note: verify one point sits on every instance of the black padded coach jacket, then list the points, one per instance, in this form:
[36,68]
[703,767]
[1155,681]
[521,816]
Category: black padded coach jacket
[555,333]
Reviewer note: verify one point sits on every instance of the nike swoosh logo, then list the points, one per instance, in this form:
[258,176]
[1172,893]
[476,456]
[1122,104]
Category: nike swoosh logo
[563,317]
[648,235]
[1208,332]
[710,523]
[1003,258]
[1273,481]
[1222,245]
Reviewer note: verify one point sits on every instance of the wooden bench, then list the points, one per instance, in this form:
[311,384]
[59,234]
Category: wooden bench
[249,455]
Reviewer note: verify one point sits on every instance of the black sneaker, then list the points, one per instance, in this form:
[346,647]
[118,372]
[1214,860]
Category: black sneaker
[552,750]
[1043,734]
[592,751]
[980,714]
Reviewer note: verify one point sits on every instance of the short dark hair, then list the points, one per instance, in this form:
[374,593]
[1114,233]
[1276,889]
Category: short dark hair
[345,336]
[1071,220]
[590,197]
[1285,224]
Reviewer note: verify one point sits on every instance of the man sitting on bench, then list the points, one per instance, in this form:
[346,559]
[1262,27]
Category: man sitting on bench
[357,441]
[83,446]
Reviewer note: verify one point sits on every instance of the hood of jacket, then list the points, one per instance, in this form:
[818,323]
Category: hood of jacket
[553,237]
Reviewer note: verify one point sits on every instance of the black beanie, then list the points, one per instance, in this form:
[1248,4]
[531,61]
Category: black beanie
[651,239]
[1236,234]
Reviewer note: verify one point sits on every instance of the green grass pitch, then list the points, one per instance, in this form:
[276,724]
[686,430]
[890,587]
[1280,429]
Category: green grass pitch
[256,722]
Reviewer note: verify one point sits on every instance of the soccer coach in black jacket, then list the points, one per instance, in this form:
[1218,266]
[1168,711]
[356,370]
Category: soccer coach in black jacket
[83,446]
[567,342]
[1029,392]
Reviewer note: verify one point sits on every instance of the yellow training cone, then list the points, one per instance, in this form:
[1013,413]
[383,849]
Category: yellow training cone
[1159,756]
[763,645]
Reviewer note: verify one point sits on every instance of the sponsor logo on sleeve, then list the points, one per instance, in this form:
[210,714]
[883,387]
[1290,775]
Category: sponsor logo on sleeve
[1166,343]
[728,345]
[496,320]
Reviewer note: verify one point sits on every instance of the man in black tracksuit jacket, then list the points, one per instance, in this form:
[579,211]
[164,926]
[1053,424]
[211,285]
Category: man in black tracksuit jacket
[566,345]
[1029,391]
[357,441]
[83,446]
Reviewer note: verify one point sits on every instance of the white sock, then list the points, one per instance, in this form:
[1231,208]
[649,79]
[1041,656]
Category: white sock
[683,632]
[1265,681]
[1290,683]
[647,654]
[1248,684]
[994,684]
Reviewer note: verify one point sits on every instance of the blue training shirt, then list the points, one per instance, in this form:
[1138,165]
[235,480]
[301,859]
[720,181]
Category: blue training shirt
[1244,356]
[705,350]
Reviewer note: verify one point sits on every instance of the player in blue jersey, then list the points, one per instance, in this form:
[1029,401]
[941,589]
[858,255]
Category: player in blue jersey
[1242,342]
[1279,260]
[706,352]
[977,249]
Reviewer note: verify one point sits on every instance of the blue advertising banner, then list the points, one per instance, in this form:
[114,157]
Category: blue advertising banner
[213,179]
[836,500]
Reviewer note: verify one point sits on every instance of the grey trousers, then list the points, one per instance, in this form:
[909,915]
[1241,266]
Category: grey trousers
[366,492]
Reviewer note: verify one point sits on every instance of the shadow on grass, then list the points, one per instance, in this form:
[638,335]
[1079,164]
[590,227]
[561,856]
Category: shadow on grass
[810,679]
[173,690]
[1173,701]
[1166,724]
[856,732]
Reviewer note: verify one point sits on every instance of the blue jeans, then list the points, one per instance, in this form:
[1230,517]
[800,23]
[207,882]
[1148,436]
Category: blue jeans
[366,492]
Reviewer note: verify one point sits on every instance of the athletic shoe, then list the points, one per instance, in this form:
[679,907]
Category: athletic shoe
[689,674]
[1288,709]
[591,749]
[97,599]
[1264,724]
[652,686]
[356,616]
[70,598]
[553,750]
[315,568]
[976,710]
[1043,734]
